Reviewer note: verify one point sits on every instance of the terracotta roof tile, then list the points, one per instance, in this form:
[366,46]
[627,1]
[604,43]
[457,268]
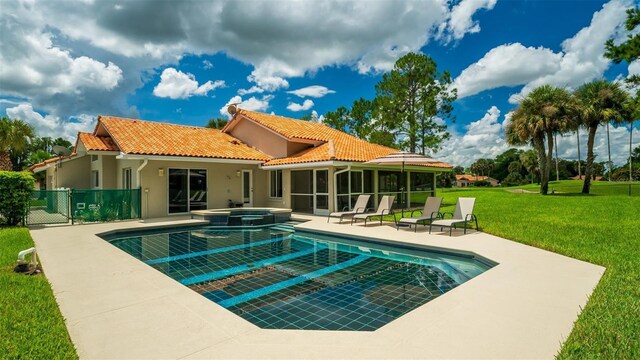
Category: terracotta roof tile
[49,161]
[155,138]
[97,143]
[345,147]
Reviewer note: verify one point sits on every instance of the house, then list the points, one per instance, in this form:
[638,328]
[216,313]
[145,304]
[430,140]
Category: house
[465,180]
[581,177]
[257,160]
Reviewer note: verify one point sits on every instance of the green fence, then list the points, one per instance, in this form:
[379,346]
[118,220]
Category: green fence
[79,205]
[49,207]
[105,205]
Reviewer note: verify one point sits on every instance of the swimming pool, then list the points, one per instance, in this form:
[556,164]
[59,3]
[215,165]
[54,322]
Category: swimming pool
[280,279]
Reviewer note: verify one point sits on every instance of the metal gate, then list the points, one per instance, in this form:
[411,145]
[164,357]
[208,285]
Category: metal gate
[49,207]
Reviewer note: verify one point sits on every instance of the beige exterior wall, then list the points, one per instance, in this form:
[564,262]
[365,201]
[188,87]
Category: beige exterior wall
[124,164]
[75,173]
[109,174]
[260,138]
[222,179]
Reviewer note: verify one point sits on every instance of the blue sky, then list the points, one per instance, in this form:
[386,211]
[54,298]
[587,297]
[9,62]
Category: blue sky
[70,62]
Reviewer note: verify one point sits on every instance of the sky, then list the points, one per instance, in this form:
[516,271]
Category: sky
[63,63]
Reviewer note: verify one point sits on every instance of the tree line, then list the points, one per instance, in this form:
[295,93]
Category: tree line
[21,148]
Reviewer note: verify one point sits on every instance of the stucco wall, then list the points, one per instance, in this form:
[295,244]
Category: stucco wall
[260,138]
[109,173]
[75,173]
[223,184]
[123,164]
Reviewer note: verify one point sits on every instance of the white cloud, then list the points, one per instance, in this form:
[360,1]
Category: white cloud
[279,41]
[484,138]
[267,81]
[579,61]
[251,90]
[50,125]
[315,91]
[88,57]
[306,105]
[206,64]
[507,65]
[175,84]
[634,68]
[316,118]
[252,104]
[461,18]
[33,66]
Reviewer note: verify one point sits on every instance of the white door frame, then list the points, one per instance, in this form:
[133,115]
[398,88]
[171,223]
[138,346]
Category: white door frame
[317,211]
[250,202]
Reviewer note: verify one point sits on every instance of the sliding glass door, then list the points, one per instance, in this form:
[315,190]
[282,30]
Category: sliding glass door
[187,190]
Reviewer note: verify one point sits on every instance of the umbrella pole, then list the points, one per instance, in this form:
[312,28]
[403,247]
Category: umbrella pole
[402,188]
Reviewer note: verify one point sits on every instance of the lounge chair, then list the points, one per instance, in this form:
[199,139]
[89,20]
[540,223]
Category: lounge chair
[384,208]
[359,208]
[462,215]
[430,213]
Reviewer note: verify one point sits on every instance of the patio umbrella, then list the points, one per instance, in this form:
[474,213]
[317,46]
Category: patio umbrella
[402,158]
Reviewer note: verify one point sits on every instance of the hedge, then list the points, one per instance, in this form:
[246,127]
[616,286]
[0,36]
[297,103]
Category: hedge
[16,189]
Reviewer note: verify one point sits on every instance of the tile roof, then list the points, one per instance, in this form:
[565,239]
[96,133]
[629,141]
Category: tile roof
[338,145]
[50,161]
[153,138]
[97,143]
[472,177]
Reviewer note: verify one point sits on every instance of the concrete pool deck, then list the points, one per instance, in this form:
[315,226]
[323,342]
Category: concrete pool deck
[115,306]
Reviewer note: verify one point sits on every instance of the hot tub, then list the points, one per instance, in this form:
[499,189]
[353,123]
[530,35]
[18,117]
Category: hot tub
[243,216]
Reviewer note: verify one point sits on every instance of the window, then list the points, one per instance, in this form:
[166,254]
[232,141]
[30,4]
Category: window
[94,158]
[187,190]
[95,179]
[126,178]
[275,181]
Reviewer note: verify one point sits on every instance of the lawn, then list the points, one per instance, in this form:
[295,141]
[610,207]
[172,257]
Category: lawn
[603,230]
[31,326]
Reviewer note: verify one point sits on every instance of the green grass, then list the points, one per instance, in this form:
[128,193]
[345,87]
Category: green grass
[603,230]
[31,326]
[597,187]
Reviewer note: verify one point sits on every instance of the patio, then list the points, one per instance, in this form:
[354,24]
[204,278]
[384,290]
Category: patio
[117,307]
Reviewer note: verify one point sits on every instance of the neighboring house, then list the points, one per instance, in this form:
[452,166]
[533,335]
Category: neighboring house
[581,177]
[256,160]
[466,180]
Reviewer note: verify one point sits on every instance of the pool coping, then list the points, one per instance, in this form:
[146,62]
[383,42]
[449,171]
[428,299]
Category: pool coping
[115,306]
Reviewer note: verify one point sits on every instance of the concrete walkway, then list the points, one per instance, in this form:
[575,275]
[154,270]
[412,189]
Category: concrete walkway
[115,306]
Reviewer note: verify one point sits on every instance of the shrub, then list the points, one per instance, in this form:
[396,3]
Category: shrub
[16,189]
[513,179]
[482,183]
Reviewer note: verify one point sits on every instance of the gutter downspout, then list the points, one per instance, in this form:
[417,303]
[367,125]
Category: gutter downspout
[335,185]
[142,166]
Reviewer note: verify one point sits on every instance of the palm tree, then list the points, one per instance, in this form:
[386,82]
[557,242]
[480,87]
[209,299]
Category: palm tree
[634,110]
[14,137]
[599,102]
[530,163]
[547,110]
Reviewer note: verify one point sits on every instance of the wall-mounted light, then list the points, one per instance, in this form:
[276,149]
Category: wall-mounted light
[160,172]
[237,173]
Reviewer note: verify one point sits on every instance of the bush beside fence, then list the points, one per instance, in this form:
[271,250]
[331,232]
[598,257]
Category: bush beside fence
[15,192]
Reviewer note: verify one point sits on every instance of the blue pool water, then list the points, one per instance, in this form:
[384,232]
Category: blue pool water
[280,279]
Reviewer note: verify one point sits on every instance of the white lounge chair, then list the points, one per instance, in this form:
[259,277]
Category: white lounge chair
[462,215]
[384,208]
[359,208]
[430,213]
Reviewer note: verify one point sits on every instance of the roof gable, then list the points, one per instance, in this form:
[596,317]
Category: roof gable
[141,137]
[97,143]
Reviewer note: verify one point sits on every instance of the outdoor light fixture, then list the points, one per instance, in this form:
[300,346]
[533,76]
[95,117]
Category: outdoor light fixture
[237,173]
[160,172]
